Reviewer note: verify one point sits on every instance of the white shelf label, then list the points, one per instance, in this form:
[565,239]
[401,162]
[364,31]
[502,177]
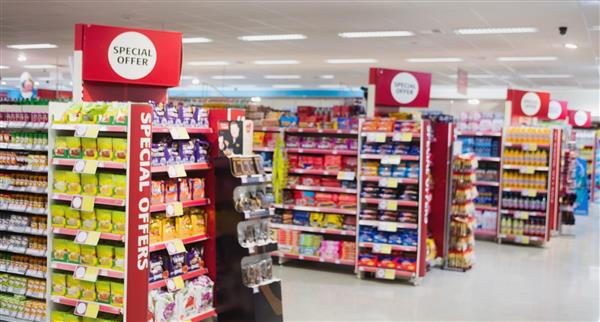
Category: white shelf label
[346,175]
[402,137]
[387,226]
[390,159]
[382,248]
[378,137]
[391,205]
[388,274]
[388,182]
[176,171]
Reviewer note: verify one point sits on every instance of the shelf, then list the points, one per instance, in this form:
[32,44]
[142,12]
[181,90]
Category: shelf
[394,247]
[317,209]
[108,201]
[188,240]
[23,125]
[324,131]
[185,204]
[487,183]
[26,210]
[73,302]
[12,319]
[26,273]
[203,316]
[262,149]
[25,189]
[523,213]
[23,230]
[526,146]
[257,178]
[23,168]
[268,129]
[383,156]
[525,190]
[187,166]
[525,167]
[101,128]
[322,151]
[74,232]
[401,203]
[478,133]
[321,188]
[485,232]
[415,135]
[107,272]
[25,251]
[488,208]
[313,258]
[193,130]
[186,276]
[321,172]
[23,147]
[492,159]
[399,272]
[101,164]
[329,231]
[377,223]
[521,239]
[399,180]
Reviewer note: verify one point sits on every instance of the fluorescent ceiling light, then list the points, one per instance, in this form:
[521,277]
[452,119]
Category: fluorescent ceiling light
[489,31]
[570,46]
[282,76]
[327,76]
[39,66]
[595,28]
[528,58]
[272,37]
[351,60]
[4,67]
[21,57]
[36,83]
[287,86]
[435,60]
[473,101]
[31,46]
[195,40]
[376,34]
[228,77]
[11,79]
[277,62]
[208,63]
[547,76]
[475,76]
[333,86]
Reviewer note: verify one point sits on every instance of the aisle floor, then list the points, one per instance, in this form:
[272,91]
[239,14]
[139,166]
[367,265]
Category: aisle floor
[509,282]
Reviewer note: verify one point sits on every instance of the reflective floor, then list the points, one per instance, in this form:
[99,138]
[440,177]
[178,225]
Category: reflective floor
[509,282]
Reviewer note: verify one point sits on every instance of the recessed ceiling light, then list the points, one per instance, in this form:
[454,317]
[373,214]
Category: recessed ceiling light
[473,101]
[327,76]
[195,81]
[39,66]
[4,67]
[272,37]
[526,58]
[282,76]
[3,83]
[32,46]
[435,60]
[547,76]
[489,31]
[277,62]
[351,60]
[287,86]
[71,83]
[570,46]
[376,34]
[475,76]
[21,57]
[208,63]
[229,77]
[195,40]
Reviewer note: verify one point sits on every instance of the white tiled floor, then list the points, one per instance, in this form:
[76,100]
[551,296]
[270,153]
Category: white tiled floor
[557,282]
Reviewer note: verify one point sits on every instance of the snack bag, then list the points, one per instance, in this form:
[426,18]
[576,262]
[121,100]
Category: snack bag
[90,148]
[88,291]
[105,149]
[88,220]
[88,255]
[170,190]
[198,221]
[184,190]
[120,182]
[117,294]
[59,284]
[121,116]
[73,288]
[104,218]
[183,225]
[72,217]
[155,230]
[158,192]
[60,181]
[89,184]
[197,187]
[71,318]
[118,222]
[119,262]
[74,145]
[57,316]
[60,147]
[57,213]
[119,149]
[73,182]
[105,256]
[73,252]
[169,229]
[72,114]
[103,291]
[105,185]
[59,251]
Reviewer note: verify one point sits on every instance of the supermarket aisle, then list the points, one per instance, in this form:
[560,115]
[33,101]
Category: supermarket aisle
[559,282]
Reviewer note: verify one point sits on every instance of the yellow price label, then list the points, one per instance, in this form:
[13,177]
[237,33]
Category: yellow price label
[530,147]
[88,310]
[174,209]
[87,131]
[378,137]
[176,171]
[175,247]
[390,159]
[175,283]
[383,273]
[387,226]
[179,133]
[84,273]
[87,237]
[521,215]
[528,170]
[522,239]
[388,182]
[83,203]
[346,175]
[403,137]
[382,248]
[85,166]
[529,193]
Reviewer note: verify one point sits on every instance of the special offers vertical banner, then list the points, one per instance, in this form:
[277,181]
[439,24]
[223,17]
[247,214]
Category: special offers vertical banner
[138,212]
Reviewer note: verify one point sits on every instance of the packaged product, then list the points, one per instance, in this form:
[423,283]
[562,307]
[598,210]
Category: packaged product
[59,284]
[185,303]
[71,318]
[89,184]
[72,114]
[88,255]
[88,220]
[169,228]
[90,148]
[90,112]
[74,145]
[104,218]
[164,307]
[60,181]
[73,182]
[177,264]
[194,259]
[105,255]
[198,221]
[60,147]
[120,182]
[157,268]
[105,149]
[197,187]
[57,316]
[73,288]
[184,190]
[73,252]
[58,215]
[119,149]
[121,116]
[88,291]
[72,217]
[105,185]
[118,222]
[119,262]
[170,191]
[103,291]
[158,193]
[117,294]
[155,229]
[183,224]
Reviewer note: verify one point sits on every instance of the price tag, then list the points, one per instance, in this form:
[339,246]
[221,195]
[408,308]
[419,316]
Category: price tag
[87,131]
[175,247]
[89,274]
[88,310]
[387,226]
[376,137]
[390,159]
[176,171]
[388,205]
[85,166]
[179,133]
[529,170]
[521,215]
[528,193]
[388,182]
[402,137]
[87,237]
[383,273]
[530,147]
[382,248]
[346,175]
[83,203]
[175,283]
[522,239]
[174,209]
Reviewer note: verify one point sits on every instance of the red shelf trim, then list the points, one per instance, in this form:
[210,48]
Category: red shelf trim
[186,276]
[314,258]
[189,203]
[188,240]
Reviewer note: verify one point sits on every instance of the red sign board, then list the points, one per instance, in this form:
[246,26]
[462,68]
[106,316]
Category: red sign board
[557,110]
[580,118]
[397,88]
[462,81]
[528,103]
[129,55]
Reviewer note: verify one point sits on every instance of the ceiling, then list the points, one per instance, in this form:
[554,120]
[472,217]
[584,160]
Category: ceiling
[433,22]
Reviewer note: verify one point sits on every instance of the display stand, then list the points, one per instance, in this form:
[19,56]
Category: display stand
[394,192]
[586,144]
[23,212]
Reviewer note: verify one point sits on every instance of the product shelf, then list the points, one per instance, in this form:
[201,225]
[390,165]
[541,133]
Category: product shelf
[413,136]
[384,156]
[393,246]
[398,272]
[478,133]
[524,167]
[321,151]
[23,168]
[101,128]
[491,159]
[523,213]
[399,180]
[262,149]
[23,147]
[400,203]
[74,232]
[23,125]
[329,231]
[485,232]
[321,188]
[186,166]
[106,272]
[74,302]
[108,201]
[12,319]
[487,183]
[26,273]
[186,276]
[24,251]
[313,258]
[25,189]
[204,315]
[101,164]
[324,131]
[25,210]
[23,230]
[527,146]
[317,209]
[525,191]
[314,171]
[185,204]
[521,239]
[377,223]
[489,208]
[268,129]
[188,240]
[193,130]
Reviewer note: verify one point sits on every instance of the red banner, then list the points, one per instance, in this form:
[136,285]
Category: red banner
[138,211]
[528,104]
[557,110]
[129,55]
[580,118]
[397,88]
[462,81]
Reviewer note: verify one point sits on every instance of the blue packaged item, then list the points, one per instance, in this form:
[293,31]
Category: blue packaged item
[366,235]
[395,239]
[288,121]
[380,237]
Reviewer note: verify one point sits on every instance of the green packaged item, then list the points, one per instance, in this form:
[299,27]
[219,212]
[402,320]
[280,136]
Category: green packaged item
[57,316]
[74,145]
[60,147]
[88,220]
[91,112]
[57,212]
[117,294]
[103,291]
[88,255]
[72,217]
[89,184]
[105,255]
[119,222]
[73,181]
[88,291]
[104,219]
[72,114]
[119,149]
[72,318]
[59,249]
[120,182]
[119,262]
[73,288]
[90,148]
[73,252]
[105,149]
[105,184]
[60,181]
[59,284]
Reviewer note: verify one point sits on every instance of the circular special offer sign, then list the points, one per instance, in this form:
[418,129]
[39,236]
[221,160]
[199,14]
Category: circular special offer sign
[531,103]
[554,110]
[132,55]
[580,118]
[404,88]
